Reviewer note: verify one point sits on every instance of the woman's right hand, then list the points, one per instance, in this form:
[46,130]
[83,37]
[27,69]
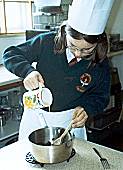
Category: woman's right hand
[32,80]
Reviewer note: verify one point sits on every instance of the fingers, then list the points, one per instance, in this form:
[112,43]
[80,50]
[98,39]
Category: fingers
[77,111]
[32,80]
[40,79]
[79,117]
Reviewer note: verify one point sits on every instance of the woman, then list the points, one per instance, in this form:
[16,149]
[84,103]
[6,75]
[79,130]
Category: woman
[80,89]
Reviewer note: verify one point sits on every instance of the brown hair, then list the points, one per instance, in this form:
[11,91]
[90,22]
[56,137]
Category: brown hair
[101,40]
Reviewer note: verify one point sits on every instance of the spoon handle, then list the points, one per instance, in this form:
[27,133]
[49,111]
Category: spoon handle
[66,130]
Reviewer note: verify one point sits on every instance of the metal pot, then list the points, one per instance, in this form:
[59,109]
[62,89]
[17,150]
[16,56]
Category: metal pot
[42,149]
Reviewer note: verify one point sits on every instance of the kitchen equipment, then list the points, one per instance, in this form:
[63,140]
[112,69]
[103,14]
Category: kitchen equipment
[4,100]
[2,120]
[104,161]
[9,100]
[17,112]
[58,141]
[114,40]
[42,149]
[99,127]
[39,98]
[54,11]
[6,111]
[46,126]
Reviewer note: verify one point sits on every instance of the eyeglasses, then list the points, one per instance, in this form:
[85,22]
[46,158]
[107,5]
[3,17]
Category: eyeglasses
[73,48]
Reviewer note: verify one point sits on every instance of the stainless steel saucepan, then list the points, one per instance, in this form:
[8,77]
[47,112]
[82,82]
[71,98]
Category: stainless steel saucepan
[42,149]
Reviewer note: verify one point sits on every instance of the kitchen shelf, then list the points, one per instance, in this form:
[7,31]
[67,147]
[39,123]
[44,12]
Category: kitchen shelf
[114,53]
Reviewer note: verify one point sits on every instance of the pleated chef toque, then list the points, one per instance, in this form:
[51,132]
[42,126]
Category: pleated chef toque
[89,16]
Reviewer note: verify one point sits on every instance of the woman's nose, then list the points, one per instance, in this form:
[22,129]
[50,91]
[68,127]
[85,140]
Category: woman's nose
[77,53]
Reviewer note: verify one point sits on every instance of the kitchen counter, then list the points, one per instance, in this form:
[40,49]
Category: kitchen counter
[12,157]
[8,80]
[114,53]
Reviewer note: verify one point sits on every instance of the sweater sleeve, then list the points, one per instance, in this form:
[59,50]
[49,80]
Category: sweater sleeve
[18,59]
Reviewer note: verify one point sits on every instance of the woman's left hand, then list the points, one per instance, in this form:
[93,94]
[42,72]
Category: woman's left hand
[79,117]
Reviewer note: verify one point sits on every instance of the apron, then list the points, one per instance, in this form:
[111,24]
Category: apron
[32,120]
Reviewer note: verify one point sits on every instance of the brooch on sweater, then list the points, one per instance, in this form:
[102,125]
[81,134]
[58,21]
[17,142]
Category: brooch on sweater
[85,79]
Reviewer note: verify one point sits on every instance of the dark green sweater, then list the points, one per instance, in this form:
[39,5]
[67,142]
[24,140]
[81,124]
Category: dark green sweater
[58,76]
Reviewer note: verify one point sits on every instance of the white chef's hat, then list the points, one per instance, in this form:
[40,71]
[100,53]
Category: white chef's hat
[89,16]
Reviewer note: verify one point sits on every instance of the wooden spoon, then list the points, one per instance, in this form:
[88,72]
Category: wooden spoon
[58,141]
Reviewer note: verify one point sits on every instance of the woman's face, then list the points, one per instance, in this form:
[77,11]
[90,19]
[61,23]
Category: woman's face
[80,48]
